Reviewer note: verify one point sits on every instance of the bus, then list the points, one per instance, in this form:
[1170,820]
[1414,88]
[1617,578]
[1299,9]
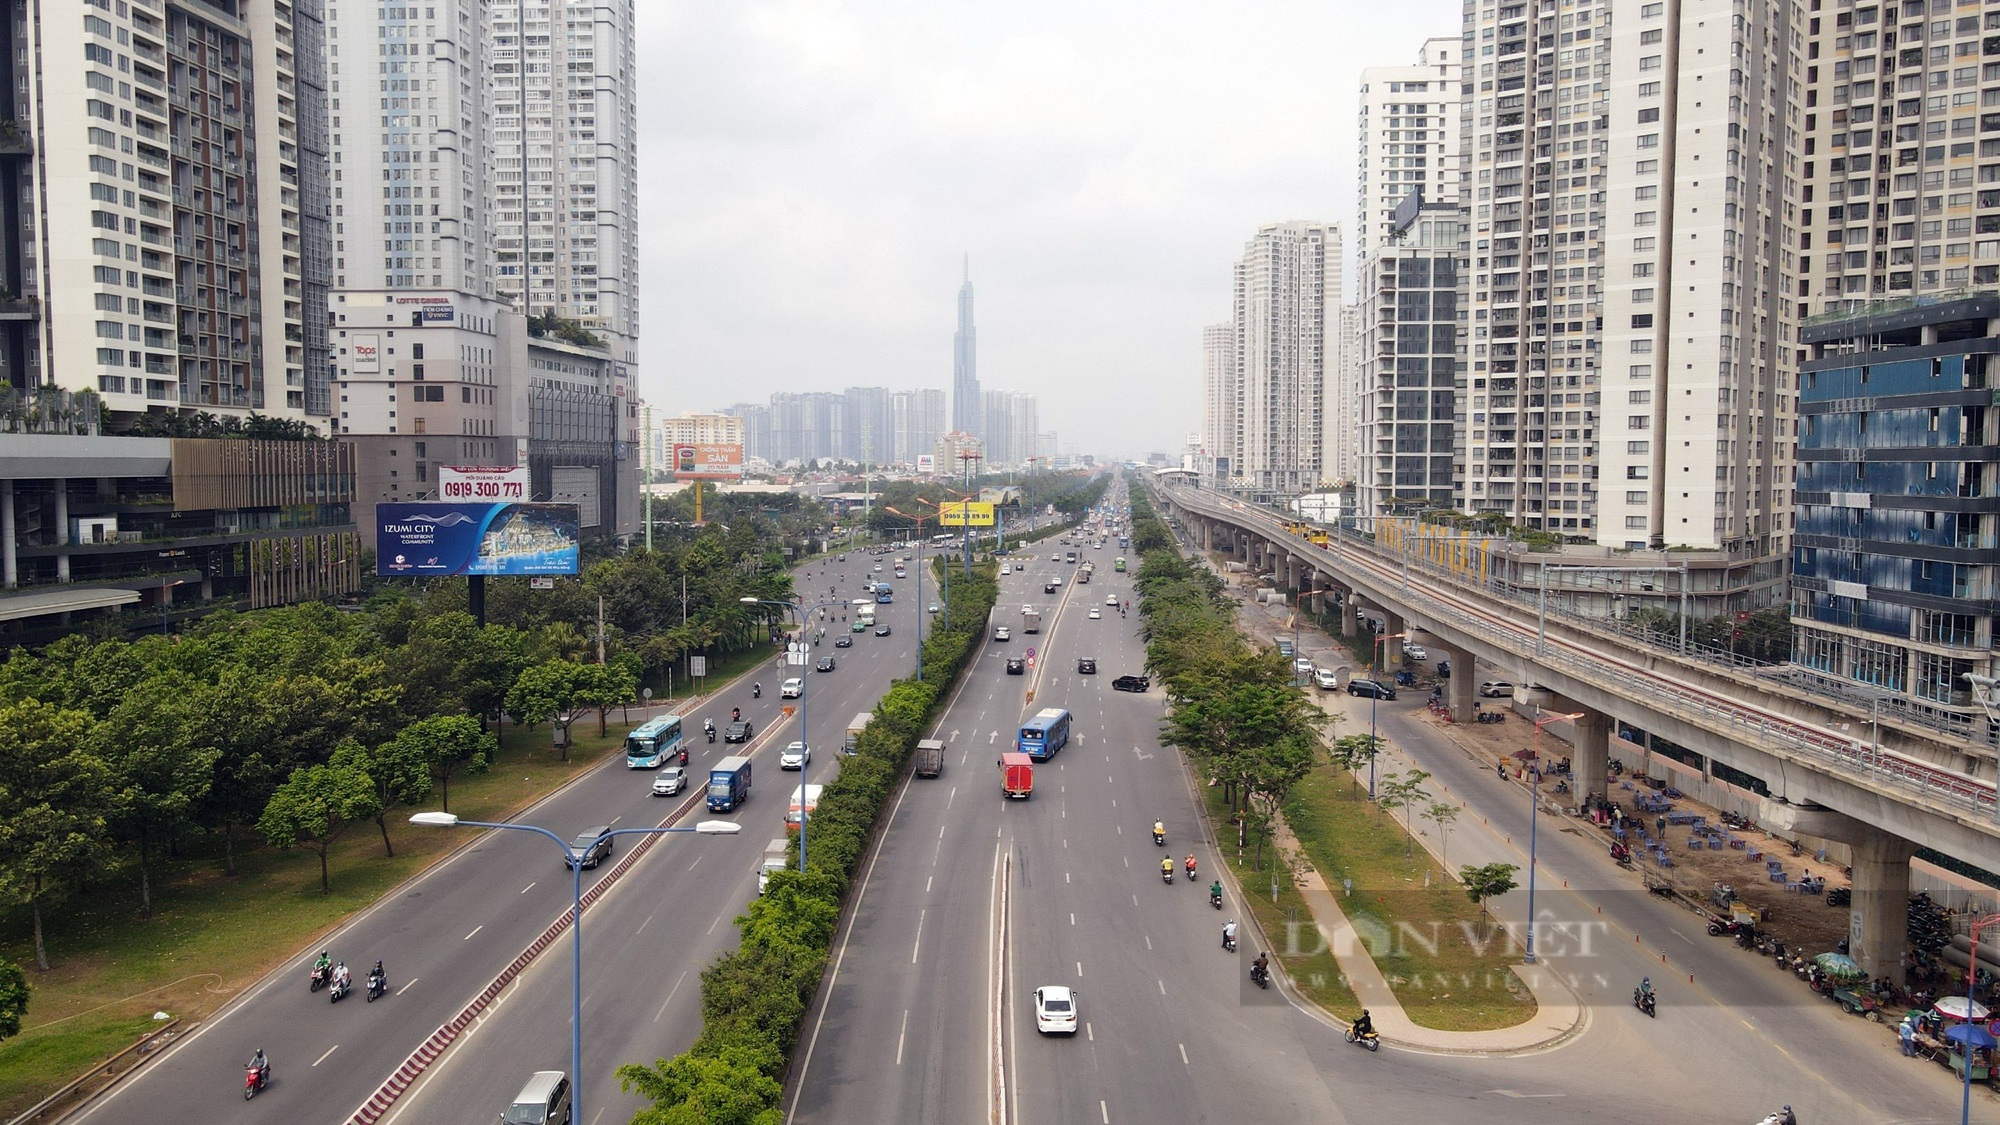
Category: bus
[1045,734]
[940,542]
[653,743]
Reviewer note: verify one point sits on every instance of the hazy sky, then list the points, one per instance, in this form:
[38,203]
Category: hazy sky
[812,172]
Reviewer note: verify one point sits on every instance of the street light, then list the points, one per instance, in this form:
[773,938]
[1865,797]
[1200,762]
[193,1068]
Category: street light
[1971,982]
[450,820]
[919,521]
[1535,819]
[1374,747]
[805,726]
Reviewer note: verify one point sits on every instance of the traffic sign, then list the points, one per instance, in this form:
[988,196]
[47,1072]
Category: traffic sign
[1031,654]
[1031,662]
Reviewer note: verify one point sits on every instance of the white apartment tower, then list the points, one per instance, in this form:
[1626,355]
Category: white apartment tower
[1534,130]
[1408,138]
[1701,208]
[410,114]
[1287,336]
[567,222]
[1221,432]
[164,209]
[1900,96]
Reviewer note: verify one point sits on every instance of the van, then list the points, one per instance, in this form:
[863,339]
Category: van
[543,1101]
[773,862]
[804,800]
[930,757]
[855,726]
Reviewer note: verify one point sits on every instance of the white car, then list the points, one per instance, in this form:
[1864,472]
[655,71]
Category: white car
[1416,652]
[669,781]
[792,689]
[1111,599]
[1494,689]
[1095,613]
[1055,1010]
[796,757]
[1301,666]
[1327,679]
[1002,634]
[1006,570]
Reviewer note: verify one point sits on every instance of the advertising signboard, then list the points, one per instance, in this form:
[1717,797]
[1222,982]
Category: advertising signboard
[366,358]
[708,461]
[482,482]
[414,540]
[927,463]
[969,513]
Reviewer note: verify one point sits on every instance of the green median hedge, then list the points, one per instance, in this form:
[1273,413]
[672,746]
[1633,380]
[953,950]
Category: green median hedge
[754,998]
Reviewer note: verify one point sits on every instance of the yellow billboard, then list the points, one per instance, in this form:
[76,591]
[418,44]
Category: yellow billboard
[971,513]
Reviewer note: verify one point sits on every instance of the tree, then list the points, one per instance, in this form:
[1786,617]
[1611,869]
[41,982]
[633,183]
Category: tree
[1490,881]
[448,743]
[1353,751]
[161,766]
[554,691]
[55,796]
[1404,791]
[611,684]
[316,805]
[400,773]
[726,1086]
[1270,774]
[13,999]
[1442,814]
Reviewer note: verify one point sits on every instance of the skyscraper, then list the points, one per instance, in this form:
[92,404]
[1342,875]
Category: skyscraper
[966,407]
[1220,430]
[1287,353]
[919,418]
[1408,138]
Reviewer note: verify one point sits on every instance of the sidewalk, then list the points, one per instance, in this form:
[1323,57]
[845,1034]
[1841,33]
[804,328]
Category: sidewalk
[1559,1014]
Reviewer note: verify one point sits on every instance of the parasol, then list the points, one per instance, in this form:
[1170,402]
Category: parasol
[1972,1035]
[1955,1008]
[1840,966]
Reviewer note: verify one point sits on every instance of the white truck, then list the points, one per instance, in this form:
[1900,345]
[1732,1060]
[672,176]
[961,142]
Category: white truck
[1031,620]
[774,860]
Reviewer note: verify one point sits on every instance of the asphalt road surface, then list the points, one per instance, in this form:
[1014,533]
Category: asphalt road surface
[447,934]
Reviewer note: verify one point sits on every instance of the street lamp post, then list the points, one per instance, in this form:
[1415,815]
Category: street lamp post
[449,820]
[1534,821]
[805,726]
[1373,746]
[1971,982]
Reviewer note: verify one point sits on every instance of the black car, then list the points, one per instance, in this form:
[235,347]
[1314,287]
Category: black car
[825,664]
[738,731]
[591,846]
[843,641]
[1371,688]
[1131,683]
[1048,587]
[1016,666]
[881,630]
[1085,666]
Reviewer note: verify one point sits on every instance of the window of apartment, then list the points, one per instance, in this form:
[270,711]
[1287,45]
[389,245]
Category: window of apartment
[1649,11]
[1649,89]
[1649,62]
[1640,371]
[1650,36]
[1642,297]
[1647,167]
[1638,421]
[1643,245]
[1638,447]
[1646,191]
[1636,522]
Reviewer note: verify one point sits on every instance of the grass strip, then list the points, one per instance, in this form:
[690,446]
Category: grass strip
[1282,915]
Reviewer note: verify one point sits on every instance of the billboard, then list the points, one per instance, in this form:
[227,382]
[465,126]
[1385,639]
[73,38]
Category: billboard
[969,513]
[927,463]
[366,350]
[708,461]
[482,482]
[420,540]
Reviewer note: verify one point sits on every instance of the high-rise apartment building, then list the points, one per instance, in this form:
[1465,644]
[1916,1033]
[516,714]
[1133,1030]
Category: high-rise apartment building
[1408,138]
[410,110]
[1287,349]
[1221,429]
[701,429]
[1343,443]
[1012,428]
[566,190]
[918,419]
[965,401]
[1701,205]
[1906,199]
[1408,368]
[163,215]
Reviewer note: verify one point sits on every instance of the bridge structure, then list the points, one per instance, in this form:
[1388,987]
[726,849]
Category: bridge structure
[1907,785]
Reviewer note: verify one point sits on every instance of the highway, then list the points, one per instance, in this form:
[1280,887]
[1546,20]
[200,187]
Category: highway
[448,933]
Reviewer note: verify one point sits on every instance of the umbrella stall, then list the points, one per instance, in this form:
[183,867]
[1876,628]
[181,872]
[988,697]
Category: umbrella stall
[1950,1033]
[1970,1045]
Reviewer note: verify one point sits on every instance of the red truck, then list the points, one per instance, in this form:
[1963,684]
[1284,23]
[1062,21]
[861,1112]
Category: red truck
[1017,775]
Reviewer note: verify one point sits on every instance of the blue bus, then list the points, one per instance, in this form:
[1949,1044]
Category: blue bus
[653,743]
[1044,734]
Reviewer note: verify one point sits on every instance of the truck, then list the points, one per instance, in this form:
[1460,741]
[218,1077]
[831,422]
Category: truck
[1083,576]
[855,726]
[804,800]
[1031,621]
[728,783]
[774,861]
[1017,775]
[930,757]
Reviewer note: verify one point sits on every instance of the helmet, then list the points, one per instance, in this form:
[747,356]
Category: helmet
[1364,1011]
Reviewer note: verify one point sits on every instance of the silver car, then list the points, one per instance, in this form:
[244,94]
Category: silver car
[669,781]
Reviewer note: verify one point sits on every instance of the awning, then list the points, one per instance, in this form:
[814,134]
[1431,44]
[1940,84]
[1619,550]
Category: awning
[42,603]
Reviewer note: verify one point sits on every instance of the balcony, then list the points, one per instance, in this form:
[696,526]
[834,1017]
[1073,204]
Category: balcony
[14,140]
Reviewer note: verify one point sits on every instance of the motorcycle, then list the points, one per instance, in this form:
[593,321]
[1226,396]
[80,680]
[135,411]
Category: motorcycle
[339,989]
[1621,855]
[319,978]
[1228,941]
[1643,1000]
[1260,976]
[255,1078]
[711,734]
[1215,899]
[377,985]
[756,691]
[1159,838]
[1167,876]
[1372,1041]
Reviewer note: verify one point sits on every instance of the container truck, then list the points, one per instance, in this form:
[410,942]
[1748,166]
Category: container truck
[1017,775]
[728,783]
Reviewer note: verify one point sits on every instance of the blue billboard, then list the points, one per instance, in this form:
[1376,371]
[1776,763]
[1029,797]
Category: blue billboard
[416,540]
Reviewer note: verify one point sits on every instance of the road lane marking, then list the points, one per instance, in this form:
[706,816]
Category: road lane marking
[712,925]
[927,883]
[643,925]
[529,887]
[902,1033]
[1079,969]
[1066,877]
[918,943]
[1149,941]
[614,822]
[1089,1034]
[1104,1112]
[475,930]
[697,860]
[407,985]
[1184,1058]
[1072,917]
[953,795]
[599,1115]
[1163,986]
[329,1051]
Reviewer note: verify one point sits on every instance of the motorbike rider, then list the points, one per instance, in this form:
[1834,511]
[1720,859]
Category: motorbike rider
[324,965]
[1262,966]
[1190,865]
[1229,933]
[736,714]
[1159,830]
[1167,867]
[377,977]
[708,725]
[1646,987]
[1364,1026]
[1787,1117]
[261,1063]
[341,977]
[756,691]
[1215,889]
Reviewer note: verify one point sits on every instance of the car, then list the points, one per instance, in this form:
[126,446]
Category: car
[1494,689]
[1002,634]
[1416,652]
[1327,679]
[1371,688]
[1111,599]
[1301,666]
[589,848]
[1016,666]
[1055,1010]
[1055,581]
[935,607]
[860,626]
[881,630]
[1057,557]
[1085,666]
[825,664]
[796,757]
[878,568]
[738,731]
[843,641]
[1027,609]
[1131,683]
[792,688]
[1048,587]
[1006,569]
[1096,614]
[669,781]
